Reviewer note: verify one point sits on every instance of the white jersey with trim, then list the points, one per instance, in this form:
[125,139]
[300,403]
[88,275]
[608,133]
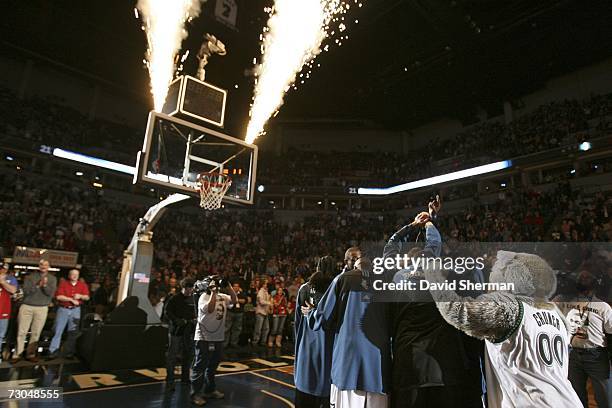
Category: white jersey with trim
[529,367]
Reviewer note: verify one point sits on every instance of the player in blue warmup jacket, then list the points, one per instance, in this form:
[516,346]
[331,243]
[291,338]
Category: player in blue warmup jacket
[313,348]
[361,360]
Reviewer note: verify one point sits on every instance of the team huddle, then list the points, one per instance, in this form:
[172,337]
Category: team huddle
[441,348]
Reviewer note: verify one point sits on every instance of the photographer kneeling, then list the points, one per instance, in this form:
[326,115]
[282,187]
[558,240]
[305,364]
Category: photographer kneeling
[209,337]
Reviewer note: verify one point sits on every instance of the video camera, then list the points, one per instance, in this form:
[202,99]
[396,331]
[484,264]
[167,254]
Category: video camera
[207,285]
[210,283]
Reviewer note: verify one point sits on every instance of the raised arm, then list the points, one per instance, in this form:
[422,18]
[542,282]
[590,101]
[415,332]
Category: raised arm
[232,294]
[207,302]
[404,234]
[407,233]
[492,316]
[433,240]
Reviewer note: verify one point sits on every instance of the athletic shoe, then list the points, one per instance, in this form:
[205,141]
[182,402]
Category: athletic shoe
[214,395]
[198,400]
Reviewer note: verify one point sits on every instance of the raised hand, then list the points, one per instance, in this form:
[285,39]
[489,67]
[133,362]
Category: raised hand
[434,206]
[421,219]
[212,286]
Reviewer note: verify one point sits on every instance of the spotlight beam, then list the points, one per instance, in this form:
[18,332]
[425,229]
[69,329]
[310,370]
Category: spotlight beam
[443,178]
[93,161]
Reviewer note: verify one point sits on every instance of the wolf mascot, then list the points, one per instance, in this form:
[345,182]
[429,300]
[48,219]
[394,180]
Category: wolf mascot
[526,357]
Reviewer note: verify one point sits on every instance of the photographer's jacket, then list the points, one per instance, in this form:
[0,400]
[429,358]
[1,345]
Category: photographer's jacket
[180,312]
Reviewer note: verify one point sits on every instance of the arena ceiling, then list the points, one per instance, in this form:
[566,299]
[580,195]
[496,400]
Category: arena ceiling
[406,62]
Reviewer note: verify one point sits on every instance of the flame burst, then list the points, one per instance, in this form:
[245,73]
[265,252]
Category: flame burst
[164,22]
[291,40]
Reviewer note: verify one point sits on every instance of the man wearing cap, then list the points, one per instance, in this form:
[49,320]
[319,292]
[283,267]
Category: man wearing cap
[38,291]
[8,286]
[71,293]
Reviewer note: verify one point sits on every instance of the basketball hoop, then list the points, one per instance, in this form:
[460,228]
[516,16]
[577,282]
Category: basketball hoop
[213,187]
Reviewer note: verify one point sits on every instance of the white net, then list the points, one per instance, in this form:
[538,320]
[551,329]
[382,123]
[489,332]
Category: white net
[213,187]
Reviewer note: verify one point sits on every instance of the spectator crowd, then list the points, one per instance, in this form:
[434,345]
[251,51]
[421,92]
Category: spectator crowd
[268,258]
[551,125]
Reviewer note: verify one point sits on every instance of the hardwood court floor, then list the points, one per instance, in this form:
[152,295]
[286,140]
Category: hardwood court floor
[248,379]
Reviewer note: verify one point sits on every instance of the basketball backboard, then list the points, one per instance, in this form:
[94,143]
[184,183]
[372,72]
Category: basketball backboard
[175,152]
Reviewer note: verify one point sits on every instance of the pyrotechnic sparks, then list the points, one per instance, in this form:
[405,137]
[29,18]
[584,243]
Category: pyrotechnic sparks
[163,22]
[291,41]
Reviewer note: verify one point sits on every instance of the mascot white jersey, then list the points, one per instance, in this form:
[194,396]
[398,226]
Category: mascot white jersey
[529,368]
[526,338]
